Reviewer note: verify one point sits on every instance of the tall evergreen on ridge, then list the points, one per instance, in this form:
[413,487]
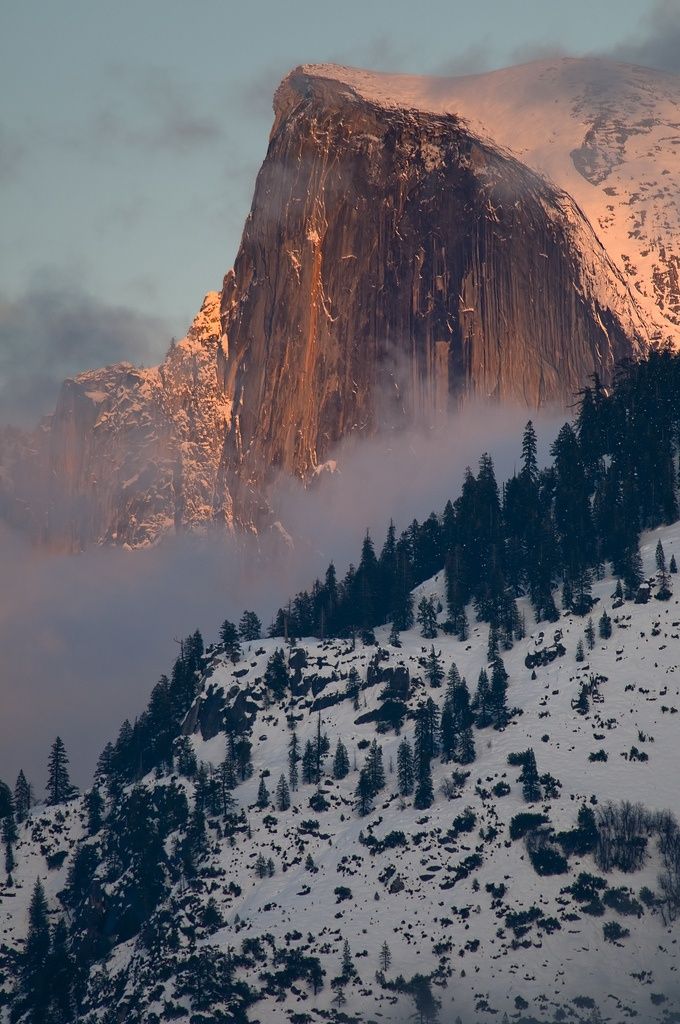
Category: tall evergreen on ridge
[23,797]
[59,786]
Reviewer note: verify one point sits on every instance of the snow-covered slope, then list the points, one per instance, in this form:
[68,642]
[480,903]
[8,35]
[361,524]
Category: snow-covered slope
[443,898]
[606,133]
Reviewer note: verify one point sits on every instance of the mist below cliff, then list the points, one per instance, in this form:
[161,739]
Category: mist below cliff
[85,637]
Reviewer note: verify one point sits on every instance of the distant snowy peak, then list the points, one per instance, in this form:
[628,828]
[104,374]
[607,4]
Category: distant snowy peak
[606,133]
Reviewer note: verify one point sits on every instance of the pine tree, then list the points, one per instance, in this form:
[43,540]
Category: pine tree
[385,958]
[447,731]
[393,638]
[250,627]
[347,968]
[62,975]
[492,650]
[260,866]
[364,792]
[664,592]
[583,704]
[580,653]
[340,761]
[604,626]
[673,565]
[498,694]
[185,757]
[262,795]
[482,704]
[531,790]
[424,793]
[427,618]
[589,634]
[94,804]
[226,781]
[293,760]
[282,795]
[34,978]
[229,639]
[309,764]
[276,674]
[434,671]
[405,771]
[9,838]
[353,687]
[464,748]
[22,797]
[321,747]
[59,787]
[374,768]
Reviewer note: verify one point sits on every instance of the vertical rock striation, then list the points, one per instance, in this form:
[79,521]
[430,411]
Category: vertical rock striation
[393,265]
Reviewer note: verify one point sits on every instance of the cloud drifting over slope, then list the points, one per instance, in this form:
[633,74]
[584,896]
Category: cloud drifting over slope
[86,637]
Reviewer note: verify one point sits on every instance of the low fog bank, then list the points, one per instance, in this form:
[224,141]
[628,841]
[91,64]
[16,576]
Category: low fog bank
[84,638]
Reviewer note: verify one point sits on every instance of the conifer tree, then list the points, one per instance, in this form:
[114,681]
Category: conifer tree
[340,761]
[282,794]
[229,639]
[353,687]
[347,968]
[22,797]
[262,795]
[364,792]
[309,764]
[464,748]
[589,634]
[447,732]
[492,650]
[663,592]
[531,790]
[393,638]
[583,704]
[482,704]
[498,694]
[605,626]
[34,977]
[434,671]
[59,786]
[580,653]
[405,770]
[385,957]
[276,674]
[62,974]
[250,627]
[94,805]
[9,838]
[374,768]
[427,618]
[293,760]
[424,791]
[673,565]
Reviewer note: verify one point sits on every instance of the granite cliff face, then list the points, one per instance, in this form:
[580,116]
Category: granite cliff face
[394,264]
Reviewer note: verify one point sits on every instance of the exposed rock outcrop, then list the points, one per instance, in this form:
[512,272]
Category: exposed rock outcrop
[394,264]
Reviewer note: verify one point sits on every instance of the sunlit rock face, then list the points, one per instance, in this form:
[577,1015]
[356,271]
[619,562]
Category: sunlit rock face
[129,454]
[393,264]
[396,262]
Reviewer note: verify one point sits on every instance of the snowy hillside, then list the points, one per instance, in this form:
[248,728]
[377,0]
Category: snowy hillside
[447,888]
[606,133]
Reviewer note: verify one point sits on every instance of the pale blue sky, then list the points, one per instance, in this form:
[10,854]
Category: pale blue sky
[131,132]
